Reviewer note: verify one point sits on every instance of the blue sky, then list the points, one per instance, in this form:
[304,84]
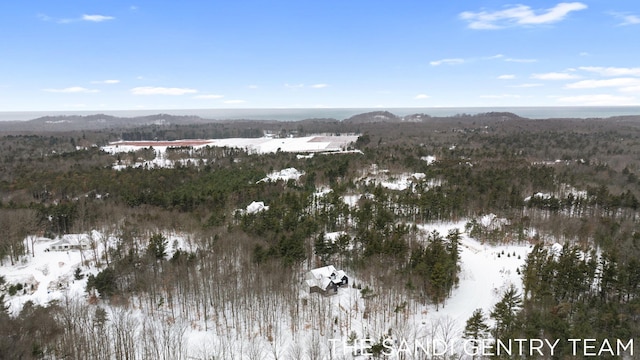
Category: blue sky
[125,55]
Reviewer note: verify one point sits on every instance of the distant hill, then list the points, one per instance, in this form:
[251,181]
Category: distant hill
[63,123]
[96,122]
[498,116]
[373,117]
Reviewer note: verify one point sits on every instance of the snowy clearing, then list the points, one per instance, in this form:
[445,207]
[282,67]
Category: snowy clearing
[264,145]
[261,145]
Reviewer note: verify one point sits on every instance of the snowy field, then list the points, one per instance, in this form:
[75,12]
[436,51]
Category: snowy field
[306,146]
[261,145]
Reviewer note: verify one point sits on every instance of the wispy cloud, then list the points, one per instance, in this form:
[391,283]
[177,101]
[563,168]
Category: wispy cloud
[300,86]
[612,71]
[84,17]
[598,100]
[622,83]
[209,96]
[501,96]
[107,82]
[150,90]
[44,17]
[555,76]
[459,61]
[72,90]
[506,77]
[519,15]
[422,96]
[447,62]
[96,18]
[527,85]
[626,19]
[520,60]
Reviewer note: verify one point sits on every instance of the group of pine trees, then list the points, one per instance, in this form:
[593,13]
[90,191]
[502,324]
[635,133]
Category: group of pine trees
[569,293]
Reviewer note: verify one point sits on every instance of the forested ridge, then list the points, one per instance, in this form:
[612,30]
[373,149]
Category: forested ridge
[239,273]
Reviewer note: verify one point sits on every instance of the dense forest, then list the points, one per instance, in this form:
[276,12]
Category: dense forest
[238,274]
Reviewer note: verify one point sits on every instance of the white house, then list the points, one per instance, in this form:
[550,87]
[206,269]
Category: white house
[326,280]
[256,207]
[71,242]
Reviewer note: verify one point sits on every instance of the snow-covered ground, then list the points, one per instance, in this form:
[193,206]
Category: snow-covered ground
[398,182]
[486,272]
[284,174]
[263,145]
[430,159]
[47,275]
[563,191]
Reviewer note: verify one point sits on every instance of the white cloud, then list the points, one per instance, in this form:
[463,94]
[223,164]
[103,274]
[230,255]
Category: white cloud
[457,61]
[626,18]
[554,76]
[612,71]
[75,106]
[521,60]
[235,102]
[108,82]
[319,86]
[209,96]
[72,90]
[631,89]
[85,17]
[501,96]
[595,84]
[96,18]
[422,96]
[527,85]
[44,17]
[447,62]
[519,15]
[598,100]
[507,77]
[150,90]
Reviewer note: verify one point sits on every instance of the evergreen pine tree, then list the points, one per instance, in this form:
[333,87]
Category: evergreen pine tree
[476,328]
[505,313]
[158,246]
